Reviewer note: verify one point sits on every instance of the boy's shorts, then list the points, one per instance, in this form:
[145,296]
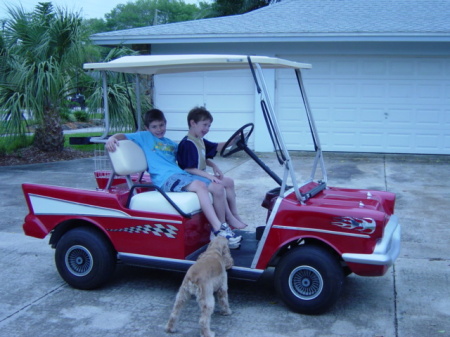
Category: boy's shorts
[179,182]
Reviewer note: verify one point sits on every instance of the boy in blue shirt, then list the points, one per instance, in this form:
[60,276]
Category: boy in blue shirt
[164,171]
[195,153]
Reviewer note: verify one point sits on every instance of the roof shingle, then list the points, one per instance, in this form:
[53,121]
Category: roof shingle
[297,19]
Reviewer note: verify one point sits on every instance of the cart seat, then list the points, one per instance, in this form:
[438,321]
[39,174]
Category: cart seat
[153,201]
[128,159]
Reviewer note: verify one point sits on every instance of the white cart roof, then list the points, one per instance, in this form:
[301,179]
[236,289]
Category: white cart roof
[165,64]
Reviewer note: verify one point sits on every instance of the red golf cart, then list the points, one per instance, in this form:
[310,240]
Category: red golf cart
[314,234]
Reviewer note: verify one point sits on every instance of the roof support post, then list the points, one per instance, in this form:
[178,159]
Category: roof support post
[138,103]
[287,163]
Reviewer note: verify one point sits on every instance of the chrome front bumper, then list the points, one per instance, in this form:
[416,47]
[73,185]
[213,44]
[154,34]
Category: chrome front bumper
[386,251]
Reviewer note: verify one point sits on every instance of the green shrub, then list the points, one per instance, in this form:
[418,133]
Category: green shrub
[12,145]
[81,116]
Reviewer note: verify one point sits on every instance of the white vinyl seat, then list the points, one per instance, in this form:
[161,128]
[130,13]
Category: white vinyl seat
[128,159]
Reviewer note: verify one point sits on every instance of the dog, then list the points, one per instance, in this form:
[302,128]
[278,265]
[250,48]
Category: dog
[204,278]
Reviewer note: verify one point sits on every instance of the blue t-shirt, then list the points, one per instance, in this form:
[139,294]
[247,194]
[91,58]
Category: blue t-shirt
[193,152]
[160,154]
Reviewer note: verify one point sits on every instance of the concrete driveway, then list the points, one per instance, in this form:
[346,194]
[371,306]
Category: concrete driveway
[412,299]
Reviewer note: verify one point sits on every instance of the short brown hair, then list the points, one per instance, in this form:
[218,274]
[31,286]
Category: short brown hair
[153,115]
[197,114]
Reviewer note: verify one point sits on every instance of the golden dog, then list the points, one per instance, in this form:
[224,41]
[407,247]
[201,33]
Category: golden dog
[204,278]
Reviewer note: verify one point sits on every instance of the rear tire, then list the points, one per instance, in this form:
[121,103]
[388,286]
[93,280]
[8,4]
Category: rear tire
[85,259]
[309,279]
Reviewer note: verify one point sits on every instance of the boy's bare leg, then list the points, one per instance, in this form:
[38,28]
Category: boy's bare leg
[219,200]
[228,183]
[199,187]
[232,220]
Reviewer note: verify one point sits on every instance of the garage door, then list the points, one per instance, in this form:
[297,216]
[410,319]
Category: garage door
[229,96]
[370,104]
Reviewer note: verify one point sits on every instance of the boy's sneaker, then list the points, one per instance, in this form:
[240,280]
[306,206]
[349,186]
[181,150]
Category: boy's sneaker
[233,242]
[224,227]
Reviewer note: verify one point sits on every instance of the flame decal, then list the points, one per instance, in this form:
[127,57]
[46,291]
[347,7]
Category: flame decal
[364,225]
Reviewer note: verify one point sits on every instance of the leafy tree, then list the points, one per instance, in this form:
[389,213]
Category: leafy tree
[233,7]
[144,13]
[41,58]
[40,55]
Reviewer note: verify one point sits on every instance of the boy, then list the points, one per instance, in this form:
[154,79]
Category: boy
[164,171]
[195,153]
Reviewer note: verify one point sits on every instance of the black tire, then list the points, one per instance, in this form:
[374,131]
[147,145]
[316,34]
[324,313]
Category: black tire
[309,279]
[84,258]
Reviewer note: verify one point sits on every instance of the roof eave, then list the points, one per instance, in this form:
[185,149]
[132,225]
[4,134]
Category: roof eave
[307,37]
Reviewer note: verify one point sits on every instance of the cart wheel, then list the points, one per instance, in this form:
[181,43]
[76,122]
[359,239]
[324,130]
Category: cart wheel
[309,279]
[84,258]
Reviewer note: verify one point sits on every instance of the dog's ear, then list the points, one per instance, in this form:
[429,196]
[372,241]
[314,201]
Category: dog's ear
[226,254]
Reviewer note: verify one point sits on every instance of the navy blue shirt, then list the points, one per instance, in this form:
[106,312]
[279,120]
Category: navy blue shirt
[193,152]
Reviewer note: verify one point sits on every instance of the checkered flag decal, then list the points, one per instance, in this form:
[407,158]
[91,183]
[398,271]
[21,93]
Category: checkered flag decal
[158,230]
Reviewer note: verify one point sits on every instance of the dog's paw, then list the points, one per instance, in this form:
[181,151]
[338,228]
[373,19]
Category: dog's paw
[170,328]
[226,312]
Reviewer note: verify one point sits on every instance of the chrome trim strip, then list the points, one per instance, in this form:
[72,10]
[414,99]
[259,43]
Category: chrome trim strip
[155,258]
[322,231]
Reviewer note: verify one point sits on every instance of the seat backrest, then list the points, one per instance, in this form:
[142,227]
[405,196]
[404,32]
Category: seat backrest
[128,158]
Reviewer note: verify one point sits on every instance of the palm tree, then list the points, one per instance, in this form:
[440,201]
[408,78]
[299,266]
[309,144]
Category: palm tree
[40,53]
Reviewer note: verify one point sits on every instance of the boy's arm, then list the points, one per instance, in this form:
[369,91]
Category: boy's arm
[113,141]
[220,146]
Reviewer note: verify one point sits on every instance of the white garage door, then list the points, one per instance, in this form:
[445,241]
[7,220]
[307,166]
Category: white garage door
[229,96]
[370,104]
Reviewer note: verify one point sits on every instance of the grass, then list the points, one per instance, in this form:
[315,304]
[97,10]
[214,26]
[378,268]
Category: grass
[8,146]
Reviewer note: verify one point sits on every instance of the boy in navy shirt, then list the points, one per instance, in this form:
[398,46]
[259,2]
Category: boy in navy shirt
[195,153]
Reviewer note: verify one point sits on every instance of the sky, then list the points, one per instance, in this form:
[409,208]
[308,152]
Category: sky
[90,9]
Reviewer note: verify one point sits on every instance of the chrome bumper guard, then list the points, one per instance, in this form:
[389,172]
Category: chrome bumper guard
[386,251]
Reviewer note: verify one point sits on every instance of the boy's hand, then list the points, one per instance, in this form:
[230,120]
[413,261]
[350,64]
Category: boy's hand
[111,144]
[218,173]
[215,179]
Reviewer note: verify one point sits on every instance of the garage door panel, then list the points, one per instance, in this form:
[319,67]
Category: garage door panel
[229,103]
[371,142]
[302,140]
[426,141]
[373,117]
[428,119]
[371,91]
[399,141]
[182,101]
[230,82]
[431,68]
[173,84]
[373,68]
[388,103]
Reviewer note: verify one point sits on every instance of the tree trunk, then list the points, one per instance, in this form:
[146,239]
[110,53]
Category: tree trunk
[49,136]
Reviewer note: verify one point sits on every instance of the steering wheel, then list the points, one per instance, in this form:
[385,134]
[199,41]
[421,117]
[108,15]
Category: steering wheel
[238,141]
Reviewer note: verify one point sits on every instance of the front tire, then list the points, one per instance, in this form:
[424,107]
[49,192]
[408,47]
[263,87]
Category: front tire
[309,279]
[84,258]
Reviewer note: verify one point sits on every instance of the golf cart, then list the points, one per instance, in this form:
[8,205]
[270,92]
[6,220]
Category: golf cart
[313,237]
